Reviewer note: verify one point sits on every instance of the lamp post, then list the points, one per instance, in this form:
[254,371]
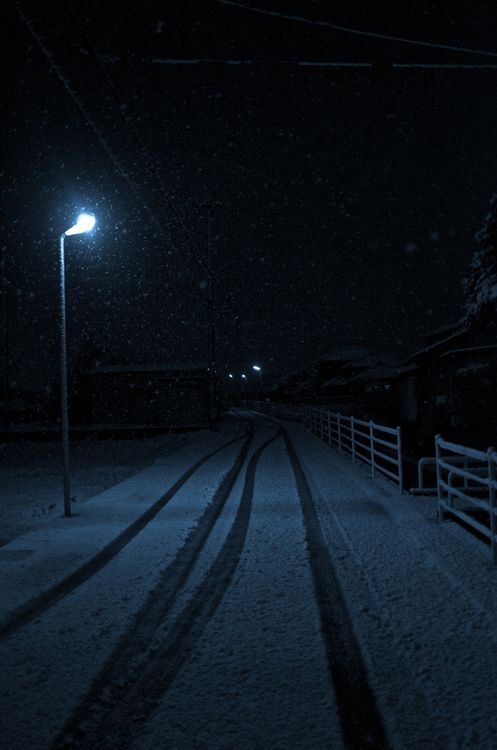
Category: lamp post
[258,370]
[85,223]
[245,384]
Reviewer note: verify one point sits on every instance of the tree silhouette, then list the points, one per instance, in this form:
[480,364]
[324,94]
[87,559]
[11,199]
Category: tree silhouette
[480,289]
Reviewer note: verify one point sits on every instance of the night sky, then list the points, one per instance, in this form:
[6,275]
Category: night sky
[344,199]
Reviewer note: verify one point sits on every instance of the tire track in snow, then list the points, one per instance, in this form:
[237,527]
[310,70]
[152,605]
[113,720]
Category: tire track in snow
[361,722]
[147,661]
[47,599]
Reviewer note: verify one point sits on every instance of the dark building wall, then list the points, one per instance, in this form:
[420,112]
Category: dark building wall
[148,398]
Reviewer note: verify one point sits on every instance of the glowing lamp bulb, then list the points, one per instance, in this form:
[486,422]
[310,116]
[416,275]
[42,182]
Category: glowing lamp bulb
[85,223]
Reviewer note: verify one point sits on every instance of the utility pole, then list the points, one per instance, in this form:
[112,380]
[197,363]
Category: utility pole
[212,328]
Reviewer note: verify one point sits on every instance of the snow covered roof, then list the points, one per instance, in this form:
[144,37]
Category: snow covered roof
[168,367]
[485,347]
[345,353]
[342,353]
[382,372]
[350,370]
[295,377]
[437,344]
[472,368]
[446,328]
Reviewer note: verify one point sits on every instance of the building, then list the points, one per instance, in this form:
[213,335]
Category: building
[159,395]
[308,384]
[451,389]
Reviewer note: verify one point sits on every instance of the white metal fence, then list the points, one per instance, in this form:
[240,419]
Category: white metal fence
[376,445]
[466,487]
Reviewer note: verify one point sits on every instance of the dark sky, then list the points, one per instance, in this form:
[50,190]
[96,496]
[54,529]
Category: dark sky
[344,199]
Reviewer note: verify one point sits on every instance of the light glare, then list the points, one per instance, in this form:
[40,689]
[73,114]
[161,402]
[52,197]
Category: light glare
[85,223]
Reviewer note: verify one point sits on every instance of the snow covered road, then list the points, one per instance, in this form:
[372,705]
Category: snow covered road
[270,596]
[257,676]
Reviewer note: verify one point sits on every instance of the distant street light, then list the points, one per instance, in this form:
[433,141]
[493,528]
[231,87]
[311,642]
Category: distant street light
[230,375]
[85,223]
[258,370]
[244,377]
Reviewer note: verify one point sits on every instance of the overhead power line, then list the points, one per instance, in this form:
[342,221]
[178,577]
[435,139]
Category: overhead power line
[151,162]
[259,62]
[357,32]
[88,119]
[317,64]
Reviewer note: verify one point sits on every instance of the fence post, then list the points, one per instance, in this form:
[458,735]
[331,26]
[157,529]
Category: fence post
[339,433]
[491,497]
[450,482]
[329,427]
[441,514]
[371,445]
[420,473]
[320,424]
[352,439]
[399,459]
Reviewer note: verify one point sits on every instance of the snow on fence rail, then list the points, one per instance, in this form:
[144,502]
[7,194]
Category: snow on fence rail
[466,486]
[376,445]
[429,463]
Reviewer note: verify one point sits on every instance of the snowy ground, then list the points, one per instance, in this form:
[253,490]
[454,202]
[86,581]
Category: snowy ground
[423,597]
[30,474]
[257,679]
[191,655]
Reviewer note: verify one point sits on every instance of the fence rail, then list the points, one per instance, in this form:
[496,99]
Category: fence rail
[467,486]
[376,445]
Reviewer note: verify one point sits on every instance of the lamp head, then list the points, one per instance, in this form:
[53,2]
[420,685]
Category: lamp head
[85,223]
[256,368]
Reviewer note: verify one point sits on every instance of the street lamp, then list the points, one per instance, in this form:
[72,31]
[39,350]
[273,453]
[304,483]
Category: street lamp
[85,223]
[258,370]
